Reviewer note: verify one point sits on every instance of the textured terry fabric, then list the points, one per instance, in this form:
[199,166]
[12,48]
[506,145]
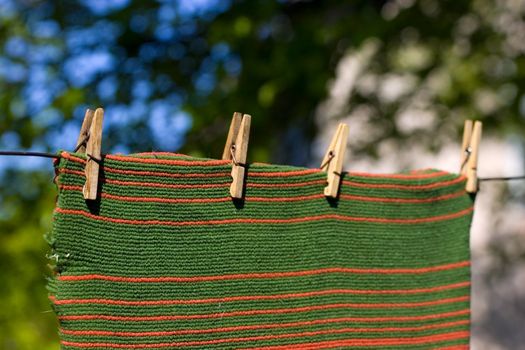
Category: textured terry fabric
[165,259]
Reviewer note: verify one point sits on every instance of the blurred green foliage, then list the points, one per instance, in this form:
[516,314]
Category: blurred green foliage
[170,74]
[26,319]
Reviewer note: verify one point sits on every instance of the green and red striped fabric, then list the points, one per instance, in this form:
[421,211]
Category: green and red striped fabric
[165,259]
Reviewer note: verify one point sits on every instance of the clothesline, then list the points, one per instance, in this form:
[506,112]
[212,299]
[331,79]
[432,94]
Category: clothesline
[55,156]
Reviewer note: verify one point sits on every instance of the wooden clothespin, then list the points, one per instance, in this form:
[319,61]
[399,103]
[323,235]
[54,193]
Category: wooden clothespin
[469,154]
[84,131]
[236,150]
[333,160]
[93,152]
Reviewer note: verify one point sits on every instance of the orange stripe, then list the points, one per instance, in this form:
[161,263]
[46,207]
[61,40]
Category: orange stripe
[71,187]
[163,154]
[149,173]
[346,319]
[248,198]
[128,159]
[211,199]
[405,187]
[284,173]
[270,185]
[132,159]
[70,171]
[162,185]
[415,174]
[354,341]
[268,311]
[152,199]
[290,184]
[264,326]
[258,297]
[252,173]
[330,344]
[404,200]
[265,275]
[165,174]
[401,176]
[222,173]
[166,200]
[266,221]
[72,158]
[183,162]
[362,185]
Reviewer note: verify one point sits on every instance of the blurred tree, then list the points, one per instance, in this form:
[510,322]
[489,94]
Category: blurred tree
[170,74]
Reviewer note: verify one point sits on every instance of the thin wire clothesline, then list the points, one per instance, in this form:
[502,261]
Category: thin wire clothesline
[29,154]
[56,156]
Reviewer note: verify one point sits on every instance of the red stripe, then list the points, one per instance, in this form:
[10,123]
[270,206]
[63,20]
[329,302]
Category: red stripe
[165,174]
[185,162]
[163,185]
[268,311]
[404,200]
[152,199]
[362,185]
[188,200]
[150,173]
[405,187]
[290,184]
[328,344]
[72,158]
[163,154]
[258,297]
[252,173]
[267,221]
[132,159]
[166,200]
[264,326]
[284,173]
[209,200]
[71,171]
[346,319]
[355,341]
[127,159]
[401,176]
[412,187]
[264,275]
[248,198]
[270,185]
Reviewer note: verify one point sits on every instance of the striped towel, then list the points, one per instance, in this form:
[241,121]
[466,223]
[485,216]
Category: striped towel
[165,259]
